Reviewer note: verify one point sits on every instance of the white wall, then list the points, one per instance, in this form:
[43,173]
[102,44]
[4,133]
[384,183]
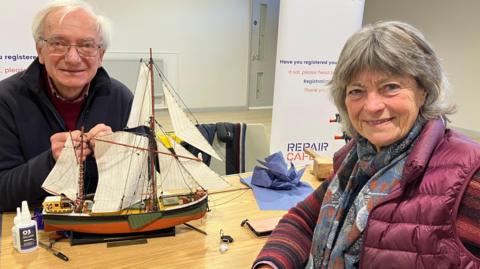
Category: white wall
[211,38]
[453,28]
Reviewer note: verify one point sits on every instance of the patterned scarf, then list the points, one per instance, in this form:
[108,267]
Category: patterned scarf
[364,180]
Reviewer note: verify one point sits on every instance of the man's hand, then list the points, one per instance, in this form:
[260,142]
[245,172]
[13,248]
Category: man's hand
[98,131]
[58,140]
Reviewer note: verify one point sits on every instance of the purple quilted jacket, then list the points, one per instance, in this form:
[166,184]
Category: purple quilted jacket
[415,226]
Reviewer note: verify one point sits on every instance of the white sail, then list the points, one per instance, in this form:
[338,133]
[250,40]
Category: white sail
[122,171]
[63,178]
[183,126]
[142,101]
[123,165]
[182,174]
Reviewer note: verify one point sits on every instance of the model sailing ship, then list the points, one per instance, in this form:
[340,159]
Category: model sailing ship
[132,194]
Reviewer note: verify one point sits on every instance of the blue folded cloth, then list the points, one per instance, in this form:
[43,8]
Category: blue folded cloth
[275,174]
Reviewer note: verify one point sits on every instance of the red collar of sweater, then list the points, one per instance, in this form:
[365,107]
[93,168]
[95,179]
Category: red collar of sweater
[68,110]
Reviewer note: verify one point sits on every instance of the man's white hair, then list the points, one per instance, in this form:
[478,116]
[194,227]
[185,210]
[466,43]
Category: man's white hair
[67,6]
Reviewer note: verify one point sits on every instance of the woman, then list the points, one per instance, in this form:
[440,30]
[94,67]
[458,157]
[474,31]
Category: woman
[403,191]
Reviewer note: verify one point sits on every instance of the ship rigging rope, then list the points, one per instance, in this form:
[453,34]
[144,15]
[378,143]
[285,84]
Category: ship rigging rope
[170,87]
[145,149]
[226,202]
[167,83]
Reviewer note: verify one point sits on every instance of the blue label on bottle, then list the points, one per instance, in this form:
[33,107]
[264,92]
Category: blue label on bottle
[28,237]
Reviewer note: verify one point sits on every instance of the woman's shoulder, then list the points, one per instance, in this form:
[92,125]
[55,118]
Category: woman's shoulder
[457,150]
[458,142]
[339,155]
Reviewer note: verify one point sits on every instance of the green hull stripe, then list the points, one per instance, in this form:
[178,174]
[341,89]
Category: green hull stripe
[139,220]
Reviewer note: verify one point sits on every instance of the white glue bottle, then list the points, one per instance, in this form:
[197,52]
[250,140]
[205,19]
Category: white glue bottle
[26,232]
[16,220]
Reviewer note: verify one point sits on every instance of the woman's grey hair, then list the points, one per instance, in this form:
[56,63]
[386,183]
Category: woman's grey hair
[38,25]
[394,48]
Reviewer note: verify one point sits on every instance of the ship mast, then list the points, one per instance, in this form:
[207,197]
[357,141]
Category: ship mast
[153,206]
[81,185]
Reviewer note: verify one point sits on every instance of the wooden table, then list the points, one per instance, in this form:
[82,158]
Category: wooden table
[187,249]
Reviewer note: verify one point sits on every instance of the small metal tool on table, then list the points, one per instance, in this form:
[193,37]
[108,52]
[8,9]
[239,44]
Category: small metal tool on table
[48,246]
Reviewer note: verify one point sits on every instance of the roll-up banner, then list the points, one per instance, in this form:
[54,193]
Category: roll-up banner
[311,34]
[17,49]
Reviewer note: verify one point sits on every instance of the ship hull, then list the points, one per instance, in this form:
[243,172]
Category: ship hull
[122,223]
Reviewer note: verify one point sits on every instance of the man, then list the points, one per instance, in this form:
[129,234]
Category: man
[63,90]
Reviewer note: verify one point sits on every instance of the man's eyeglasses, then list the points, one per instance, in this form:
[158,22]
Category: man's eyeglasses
[60,47]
